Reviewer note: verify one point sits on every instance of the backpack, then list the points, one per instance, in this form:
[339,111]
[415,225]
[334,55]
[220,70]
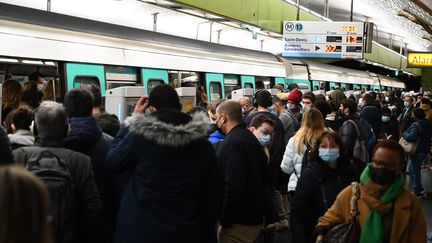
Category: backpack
[371,138]
[50,166]
[360,151]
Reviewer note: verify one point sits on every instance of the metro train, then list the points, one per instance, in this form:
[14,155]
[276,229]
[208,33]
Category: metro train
[75,51]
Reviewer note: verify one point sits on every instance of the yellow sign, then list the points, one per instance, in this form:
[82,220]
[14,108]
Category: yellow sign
[419,59]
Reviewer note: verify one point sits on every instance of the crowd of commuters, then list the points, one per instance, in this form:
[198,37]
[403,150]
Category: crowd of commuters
[227,172]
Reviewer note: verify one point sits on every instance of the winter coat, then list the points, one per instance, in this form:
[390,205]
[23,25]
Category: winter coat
[308,202]
[21,138]
[408,224]
[390,128]
[405,119]
[412,134]
[88,204]
[174,192]
[372,115]
[245,171]
[87,137]
[348,133]
[292,163]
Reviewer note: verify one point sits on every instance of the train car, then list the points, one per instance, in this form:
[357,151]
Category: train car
[77,51]
[74,51]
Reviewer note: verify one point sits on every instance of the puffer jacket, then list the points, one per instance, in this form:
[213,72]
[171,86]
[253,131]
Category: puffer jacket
[292,163]
[424,134]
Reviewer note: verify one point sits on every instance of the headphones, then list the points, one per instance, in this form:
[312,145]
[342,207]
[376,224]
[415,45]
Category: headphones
[269,102]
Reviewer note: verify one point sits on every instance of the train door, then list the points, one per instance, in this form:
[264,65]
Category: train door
[152,78]
[248,82]
[78,74]
[316,85]
[214,86]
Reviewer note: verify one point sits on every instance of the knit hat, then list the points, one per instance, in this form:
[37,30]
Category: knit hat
[295,95]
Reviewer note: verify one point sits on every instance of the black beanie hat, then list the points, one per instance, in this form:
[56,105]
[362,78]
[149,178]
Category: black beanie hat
[164,97]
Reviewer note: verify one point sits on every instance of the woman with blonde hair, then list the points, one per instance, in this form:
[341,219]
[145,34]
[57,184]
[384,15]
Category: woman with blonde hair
[300,144]
[11,96]
[23,208]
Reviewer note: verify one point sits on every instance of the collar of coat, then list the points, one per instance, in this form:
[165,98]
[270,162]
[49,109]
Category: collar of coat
[170,127]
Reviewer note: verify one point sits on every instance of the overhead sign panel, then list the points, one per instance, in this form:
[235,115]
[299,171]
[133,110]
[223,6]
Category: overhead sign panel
[315,39]
[419,59]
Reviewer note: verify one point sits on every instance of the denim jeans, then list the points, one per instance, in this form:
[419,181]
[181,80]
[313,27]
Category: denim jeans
[415,171]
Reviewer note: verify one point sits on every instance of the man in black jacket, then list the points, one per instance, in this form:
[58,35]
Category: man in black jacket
[348,130]
[371,113]
[87,137]
[244,164]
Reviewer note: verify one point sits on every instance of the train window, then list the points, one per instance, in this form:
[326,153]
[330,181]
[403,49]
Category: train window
[248,85]
[81,80]
[152,83]
[215,91]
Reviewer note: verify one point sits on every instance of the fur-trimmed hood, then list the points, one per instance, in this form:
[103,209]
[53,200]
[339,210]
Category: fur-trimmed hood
[170,127]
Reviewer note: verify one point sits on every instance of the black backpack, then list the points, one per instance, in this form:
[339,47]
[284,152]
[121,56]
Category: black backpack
[50,166]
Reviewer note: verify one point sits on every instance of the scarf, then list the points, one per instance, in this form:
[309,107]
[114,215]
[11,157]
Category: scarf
[372,230]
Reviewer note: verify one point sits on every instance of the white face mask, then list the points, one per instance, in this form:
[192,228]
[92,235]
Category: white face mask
[40,87]
[407,104]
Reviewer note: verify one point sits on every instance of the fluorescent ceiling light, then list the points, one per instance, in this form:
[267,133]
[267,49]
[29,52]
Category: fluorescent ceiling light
[232,24]
[8,60]
[212,16]
[193,12]
[32,62]
[165,3]
[49,63]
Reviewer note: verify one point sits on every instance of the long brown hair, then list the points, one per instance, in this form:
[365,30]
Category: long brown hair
[11,93]
[23,207]
[312,126]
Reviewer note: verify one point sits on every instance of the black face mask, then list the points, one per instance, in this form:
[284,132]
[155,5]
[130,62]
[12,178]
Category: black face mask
[383,176]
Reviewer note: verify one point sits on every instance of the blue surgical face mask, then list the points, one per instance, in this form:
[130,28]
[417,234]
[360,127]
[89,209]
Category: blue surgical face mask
[264,139]
[385,119]
[328,155]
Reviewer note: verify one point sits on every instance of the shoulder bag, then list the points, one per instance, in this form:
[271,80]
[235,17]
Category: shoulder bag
[348,232]
[410,147]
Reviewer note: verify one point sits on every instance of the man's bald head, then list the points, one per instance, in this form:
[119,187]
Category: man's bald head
[232,110]
[244,101]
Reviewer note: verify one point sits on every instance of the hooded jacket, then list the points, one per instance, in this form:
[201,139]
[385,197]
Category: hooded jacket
[308,203]
[174,191]
[21,138]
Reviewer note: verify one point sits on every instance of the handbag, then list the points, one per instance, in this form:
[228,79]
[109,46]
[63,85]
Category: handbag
[347,232]
[409,147]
